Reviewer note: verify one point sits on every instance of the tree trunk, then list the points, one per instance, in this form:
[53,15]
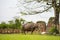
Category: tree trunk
[56,22]
[56,10]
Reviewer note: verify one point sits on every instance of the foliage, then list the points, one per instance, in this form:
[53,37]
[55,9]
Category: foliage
[16,24]
[11,24]
[40,22]
[46,8]
[30,22]
[33,10]
[51,19]
[3,25]
[53,30]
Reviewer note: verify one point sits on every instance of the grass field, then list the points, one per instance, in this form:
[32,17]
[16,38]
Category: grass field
[27,37]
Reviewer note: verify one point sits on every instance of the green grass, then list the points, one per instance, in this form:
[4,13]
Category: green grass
[27,37]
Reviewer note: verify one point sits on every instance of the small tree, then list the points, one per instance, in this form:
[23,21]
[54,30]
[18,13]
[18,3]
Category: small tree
[17,23]
[11,24]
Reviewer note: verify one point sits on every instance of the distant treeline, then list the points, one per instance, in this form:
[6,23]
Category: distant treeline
[13,24]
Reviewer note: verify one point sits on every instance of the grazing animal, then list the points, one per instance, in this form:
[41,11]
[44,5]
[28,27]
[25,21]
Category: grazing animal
[29,27]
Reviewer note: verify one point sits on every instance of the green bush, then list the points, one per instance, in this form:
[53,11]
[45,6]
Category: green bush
[3,25]
[16,24]
[53,30]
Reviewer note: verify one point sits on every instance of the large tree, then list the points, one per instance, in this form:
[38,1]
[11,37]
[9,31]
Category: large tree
[47,6]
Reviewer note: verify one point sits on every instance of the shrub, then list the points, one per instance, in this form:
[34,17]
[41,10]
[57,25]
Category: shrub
[53,30]
[3,25]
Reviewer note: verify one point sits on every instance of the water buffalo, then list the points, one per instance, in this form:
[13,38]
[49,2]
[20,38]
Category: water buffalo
[29,27]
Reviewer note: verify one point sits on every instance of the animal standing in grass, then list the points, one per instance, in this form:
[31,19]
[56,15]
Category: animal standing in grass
[29,27]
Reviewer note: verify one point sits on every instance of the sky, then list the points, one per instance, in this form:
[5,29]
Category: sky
[9,10]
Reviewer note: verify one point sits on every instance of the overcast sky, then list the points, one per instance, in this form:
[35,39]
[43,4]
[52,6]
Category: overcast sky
[9,9]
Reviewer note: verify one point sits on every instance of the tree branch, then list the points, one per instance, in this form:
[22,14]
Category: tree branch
[35,12]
